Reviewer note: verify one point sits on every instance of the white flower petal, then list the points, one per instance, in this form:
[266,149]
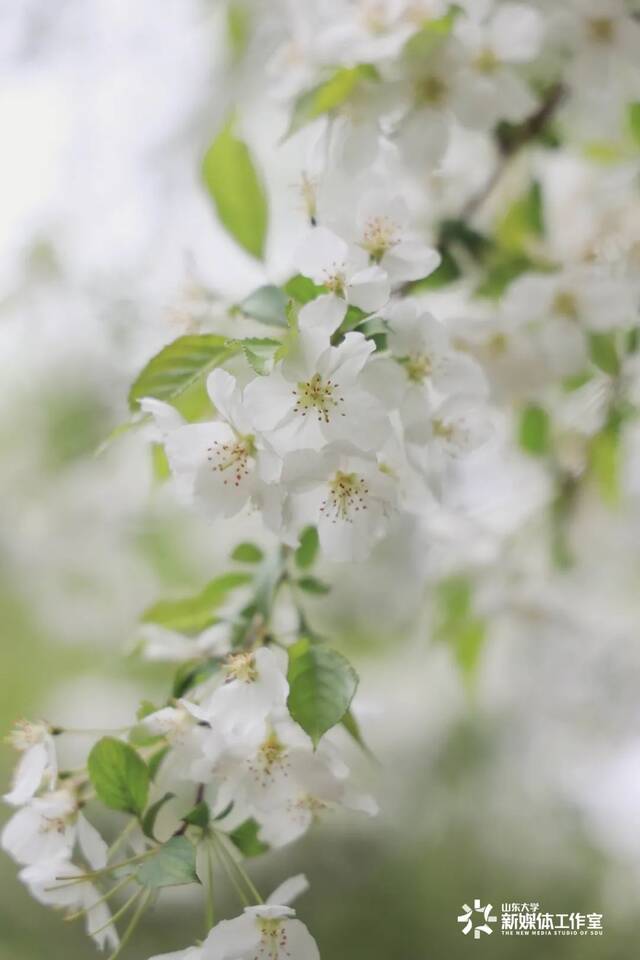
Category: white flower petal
[369,289]
[290,890]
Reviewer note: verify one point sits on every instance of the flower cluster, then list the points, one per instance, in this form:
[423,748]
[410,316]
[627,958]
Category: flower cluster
[443,351]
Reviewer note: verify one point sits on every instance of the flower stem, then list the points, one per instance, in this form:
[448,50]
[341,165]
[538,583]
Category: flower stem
[107,896]
[119,913]
[132,926]
[242,873]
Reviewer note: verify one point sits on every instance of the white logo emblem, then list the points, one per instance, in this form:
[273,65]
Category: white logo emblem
[481,923]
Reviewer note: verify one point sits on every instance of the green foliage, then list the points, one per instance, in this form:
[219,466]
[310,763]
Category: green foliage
[328,96]
[235,187]
[457,625]
[195,613]
[247,553]
[245,839]
[352,727]
[313,585]
[307,551]
[199,816]
[322,684]
[267,304]
[604,461]
[302,289]
[447,272]
[268,577]
[238,28]
[159,463]
[173,865]
[119,776]
[523,222]
[604,352]
[633,117]
[149,819]
[155,760]
[192,673]
[502,270]
[534,432]
[176,374]
[427,40]
[262,353]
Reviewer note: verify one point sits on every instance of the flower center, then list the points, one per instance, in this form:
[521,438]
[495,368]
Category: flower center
[241,666]
[319,395]
[335,281]
[271,758]
[601,29]
[418,367]
[379,235]
[486,62]
[272,751]
[431,90]
[53,825]
[565,304]
[498,344]
[347,496]
[373,14]
[314,805]
[446,431]
[273,939]
[232,456]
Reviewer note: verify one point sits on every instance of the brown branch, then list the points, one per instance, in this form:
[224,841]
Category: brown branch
[512,140]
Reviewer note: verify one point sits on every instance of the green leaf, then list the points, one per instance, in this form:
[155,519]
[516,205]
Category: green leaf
[245,838]
[448,272]
[312,585]
[604,353]
[425,42]
[159,463]
[302,289]
[173,865]
[175,374]
[268,576]
[576,380]
[261,352]
[268,305]
[468,642]
[145,709]
[633,116]
[604,459]
[155,760]
[352,727]
[458,233]
[119,776]
[238,28]
[453,597]
[503,268]
[149,820]
[199,816]
[195,613]
[322,684]
[247,553]
[192,673]
[456,624]
[330,95]
[522,222]
[233,182]
[307,552]
[534,430]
